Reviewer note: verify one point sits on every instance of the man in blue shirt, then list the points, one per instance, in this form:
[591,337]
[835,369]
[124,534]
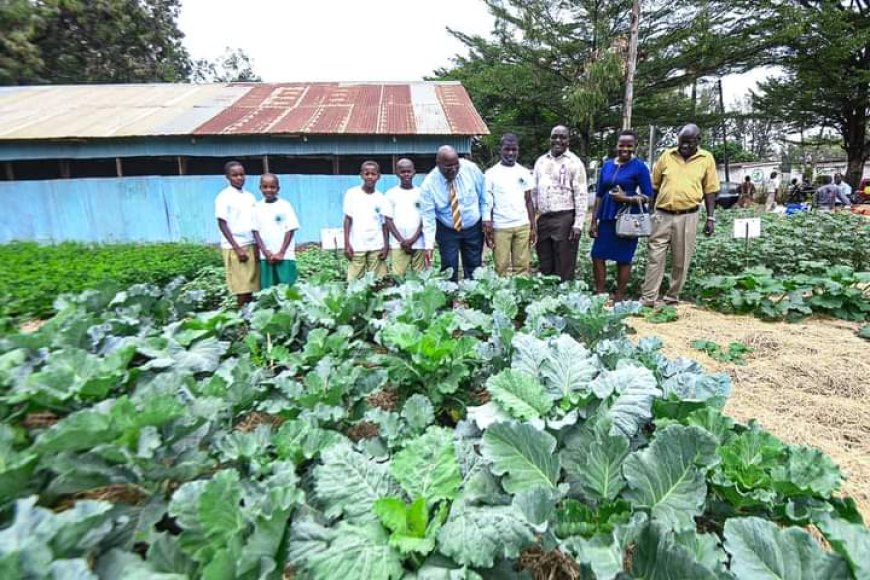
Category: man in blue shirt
[453,202]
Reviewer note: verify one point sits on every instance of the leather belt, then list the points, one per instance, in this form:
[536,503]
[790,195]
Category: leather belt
[678,211]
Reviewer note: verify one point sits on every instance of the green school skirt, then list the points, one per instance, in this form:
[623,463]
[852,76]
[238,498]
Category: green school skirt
[284,272]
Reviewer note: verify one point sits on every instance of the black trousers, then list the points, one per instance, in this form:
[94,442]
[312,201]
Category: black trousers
[468,242]
[557,255]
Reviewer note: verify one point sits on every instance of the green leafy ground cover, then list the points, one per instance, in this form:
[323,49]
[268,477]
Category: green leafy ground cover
[33,275]
[421,431]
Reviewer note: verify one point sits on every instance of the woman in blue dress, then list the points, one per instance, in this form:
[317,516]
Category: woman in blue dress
[624,181]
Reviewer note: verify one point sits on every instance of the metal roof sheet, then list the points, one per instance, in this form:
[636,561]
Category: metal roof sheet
[112,111]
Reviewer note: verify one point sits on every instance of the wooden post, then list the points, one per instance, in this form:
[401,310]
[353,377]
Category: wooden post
[64,169]
[632,62]
[265,164]
[182,165]
[118,169]
[335,166]
[10,174]
[395,160]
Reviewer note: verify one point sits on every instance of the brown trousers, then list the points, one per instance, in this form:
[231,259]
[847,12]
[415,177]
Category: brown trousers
[557,255]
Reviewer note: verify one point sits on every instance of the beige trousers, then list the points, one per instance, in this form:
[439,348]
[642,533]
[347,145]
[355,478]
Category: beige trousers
[401,261]
[677,233]
[511,252]
[366,262]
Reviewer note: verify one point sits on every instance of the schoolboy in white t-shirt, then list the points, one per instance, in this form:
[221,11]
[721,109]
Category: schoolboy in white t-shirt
[402,219]
[509,186]
[274,225]
[366,243]
[234,210]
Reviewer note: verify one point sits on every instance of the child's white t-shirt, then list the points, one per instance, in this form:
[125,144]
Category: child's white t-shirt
[273,221]
[236,207]
[507,188]
[403,207]
[366,210]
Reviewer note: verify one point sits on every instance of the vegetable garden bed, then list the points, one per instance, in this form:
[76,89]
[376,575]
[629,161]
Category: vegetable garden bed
[493,429]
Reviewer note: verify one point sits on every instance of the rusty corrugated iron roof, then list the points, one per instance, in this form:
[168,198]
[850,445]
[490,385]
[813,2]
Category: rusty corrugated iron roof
[110,111]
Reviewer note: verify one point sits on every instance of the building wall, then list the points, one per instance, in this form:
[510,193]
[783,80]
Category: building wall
[156,209]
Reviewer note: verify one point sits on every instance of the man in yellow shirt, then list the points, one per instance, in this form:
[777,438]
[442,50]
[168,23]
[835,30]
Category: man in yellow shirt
[682,178]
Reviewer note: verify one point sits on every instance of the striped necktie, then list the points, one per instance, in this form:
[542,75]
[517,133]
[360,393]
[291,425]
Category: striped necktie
[454,207]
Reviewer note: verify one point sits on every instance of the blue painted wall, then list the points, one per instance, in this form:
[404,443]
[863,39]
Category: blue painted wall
[156,209]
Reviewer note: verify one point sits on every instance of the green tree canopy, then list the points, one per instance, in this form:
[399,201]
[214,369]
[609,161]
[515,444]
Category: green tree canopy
[103,41]
[563,62]
[824,49]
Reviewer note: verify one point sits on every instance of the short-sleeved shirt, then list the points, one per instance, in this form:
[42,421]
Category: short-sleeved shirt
[272,222]
[681,183]
[506,187]
[236,207]
[367,212]
[403,207]
[560,185]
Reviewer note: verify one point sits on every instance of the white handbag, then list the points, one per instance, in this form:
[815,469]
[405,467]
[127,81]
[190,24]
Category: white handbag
[633,225]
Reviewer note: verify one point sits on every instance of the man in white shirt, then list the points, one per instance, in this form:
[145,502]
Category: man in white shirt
[366,242]
[234,210]
[772,192]
[845,188]
[509,188]
[275,223]
[403,221]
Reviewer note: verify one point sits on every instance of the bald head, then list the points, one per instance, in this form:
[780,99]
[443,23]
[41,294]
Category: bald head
[688,139]
[447,160]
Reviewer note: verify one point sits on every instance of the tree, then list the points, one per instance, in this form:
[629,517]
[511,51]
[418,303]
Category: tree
[103,41]
[824,49]
[19,56]
[563,62]
[234,65]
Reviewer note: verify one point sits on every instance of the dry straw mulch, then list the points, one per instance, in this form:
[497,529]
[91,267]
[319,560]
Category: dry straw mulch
[808,383]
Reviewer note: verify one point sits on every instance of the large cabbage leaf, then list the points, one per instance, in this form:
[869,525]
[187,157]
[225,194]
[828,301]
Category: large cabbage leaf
[427,467]
[524,455]
[349,482]
[477,536]
[762,551]
[666,478]
[520,394]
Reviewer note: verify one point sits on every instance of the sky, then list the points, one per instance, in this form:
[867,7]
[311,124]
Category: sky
[350,40]
[334,40]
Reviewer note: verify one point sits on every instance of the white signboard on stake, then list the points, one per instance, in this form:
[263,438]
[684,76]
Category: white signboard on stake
[747,228]
[332,238]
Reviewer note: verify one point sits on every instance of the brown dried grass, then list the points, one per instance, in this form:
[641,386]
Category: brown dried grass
[808,383]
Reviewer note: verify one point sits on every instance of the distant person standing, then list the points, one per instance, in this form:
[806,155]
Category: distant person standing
[509,188]
[275,224]
[828,196]
[452,204]
[366,243]
[402,219]
[845,188]
[234,209]
[560,198]
[772,191]
[682,178]
[747,192]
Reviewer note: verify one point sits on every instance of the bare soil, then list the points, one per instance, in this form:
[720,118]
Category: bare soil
[808,383]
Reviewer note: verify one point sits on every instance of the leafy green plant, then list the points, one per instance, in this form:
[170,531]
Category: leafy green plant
[29,291]
[660,315]
[427,430]
[735,353]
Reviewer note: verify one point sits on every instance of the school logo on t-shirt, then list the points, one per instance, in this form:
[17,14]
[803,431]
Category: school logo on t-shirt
[279,219]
